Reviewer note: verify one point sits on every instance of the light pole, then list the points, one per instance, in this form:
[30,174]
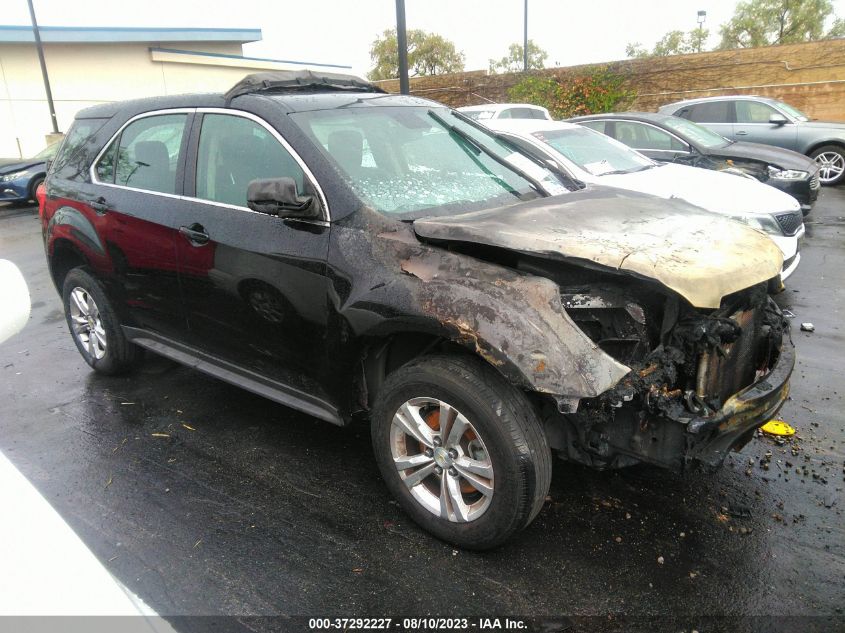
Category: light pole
[525,40]
[702,16]
[40,49]
[402,43]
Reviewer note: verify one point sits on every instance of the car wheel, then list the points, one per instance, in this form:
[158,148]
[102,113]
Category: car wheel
[94,325]
[33,187]
[461,449]
[831,161]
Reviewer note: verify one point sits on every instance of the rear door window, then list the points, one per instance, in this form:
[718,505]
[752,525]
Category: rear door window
[146,155]
[642,136]
[710,112]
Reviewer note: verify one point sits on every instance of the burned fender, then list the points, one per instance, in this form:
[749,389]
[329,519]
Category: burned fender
[515,322]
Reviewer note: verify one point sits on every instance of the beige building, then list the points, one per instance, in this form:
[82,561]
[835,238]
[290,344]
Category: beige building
[89,65]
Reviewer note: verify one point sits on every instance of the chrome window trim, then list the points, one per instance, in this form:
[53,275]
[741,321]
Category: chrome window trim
[92,171]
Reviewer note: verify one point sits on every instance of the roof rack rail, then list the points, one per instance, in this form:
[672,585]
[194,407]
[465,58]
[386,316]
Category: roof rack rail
[298,81]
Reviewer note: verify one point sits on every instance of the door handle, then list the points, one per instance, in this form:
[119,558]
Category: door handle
[195,234]
[742,133]
[99,205]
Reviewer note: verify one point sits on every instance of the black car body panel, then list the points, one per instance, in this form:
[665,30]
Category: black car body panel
[754,159]
[315,313]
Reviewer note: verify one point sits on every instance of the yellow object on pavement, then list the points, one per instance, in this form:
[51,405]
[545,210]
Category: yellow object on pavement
[777,427]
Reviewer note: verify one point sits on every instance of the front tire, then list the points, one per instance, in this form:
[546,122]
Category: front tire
[94,325]
[831,161]
[461,449]
[33,188]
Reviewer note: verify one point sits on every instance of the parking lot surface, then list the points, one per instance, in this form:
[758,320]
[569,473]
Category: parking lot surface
[207,500]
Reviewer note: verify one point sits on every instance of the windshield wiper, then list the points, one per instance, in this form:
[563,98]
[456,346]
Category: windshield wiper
[549,165]
[483,148]
[626,171]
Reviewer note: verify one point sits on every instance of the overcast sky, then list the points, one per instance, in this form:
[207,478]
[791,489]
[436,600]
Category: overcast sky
[341,31]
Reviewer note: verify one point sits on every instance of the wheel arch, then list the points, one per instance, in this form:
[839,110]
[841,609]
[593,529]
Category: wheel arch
[819,144]
[64,257]
[386,352]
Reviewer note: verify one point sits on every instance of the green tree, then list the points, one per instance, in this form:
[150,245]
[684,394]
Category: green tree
[513,61]
[767,22]
[428,54]
[673,43]
[598,91]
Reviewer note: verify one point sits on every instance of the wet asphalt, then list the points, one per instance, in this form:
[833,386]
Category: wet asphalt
[207,500]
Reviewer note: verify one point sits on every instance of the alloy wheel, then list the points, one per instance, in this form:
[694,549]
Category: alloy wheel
[86,323]
[442,459]
[831,166]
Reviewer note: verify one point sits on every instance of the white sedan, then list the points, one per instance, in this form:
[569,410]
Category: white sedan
[505,111]
[592,157]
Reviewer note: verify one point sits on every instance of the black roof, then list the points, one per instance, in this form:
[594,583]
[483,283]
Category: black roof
[294,91]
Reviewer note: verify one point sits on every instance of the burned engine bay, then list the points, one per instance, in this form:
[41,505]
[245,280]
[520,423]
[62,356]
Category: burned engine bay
[675,297]
[685,364]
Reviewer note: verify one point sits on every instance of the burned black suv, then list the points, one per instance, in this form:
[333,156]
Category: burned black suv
[349,253]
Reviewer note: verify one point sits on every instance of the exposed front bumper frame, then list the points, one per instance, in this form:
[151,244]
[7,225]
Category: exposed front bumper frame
[713,437]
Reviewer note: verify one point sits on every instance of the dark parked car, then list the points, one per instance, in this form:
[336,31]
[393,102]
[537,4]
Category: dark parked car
[20,177]
[352,253]
[671,139]
[773,122]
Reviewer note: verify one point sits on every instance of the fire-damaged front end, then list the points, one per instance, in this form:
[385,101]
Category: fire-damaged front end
[689,354]
[700,381]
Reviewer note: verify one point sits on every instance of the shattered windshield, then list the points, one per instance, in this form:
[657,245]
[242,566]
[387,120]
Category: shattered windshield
[594,152]
[416,161]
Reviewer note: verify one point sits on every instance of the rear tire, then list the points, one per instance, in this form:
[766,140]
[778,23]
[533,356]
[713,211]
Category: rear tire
[831,161]
[490,428]
[94,325]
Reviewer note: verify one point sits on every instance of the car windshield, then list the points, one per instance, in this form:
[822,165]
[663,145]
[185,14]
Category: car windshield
[478,115]
[48,152]
[594,152]
[695,133]
[795,113]
[416,161]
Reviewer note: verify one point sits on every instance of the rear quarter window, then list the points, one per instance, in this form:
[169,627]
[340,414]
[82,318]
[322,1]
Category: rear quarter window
[77,150]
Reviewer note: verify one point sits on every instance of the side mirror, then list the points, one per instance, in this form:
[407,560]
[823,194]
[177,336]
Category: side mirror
[778,119]
[278,196]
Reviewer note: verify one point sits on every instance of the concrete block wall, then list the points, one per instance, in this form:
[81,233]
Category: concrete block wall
[809,76]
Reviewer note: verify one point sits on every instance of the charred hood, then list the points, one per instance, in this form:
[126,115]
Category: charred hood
[700,255]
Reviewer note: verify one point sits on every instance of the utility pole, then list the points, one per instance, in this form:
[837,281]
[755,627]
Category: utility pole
[525,40]
[402,42]
[40,49]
